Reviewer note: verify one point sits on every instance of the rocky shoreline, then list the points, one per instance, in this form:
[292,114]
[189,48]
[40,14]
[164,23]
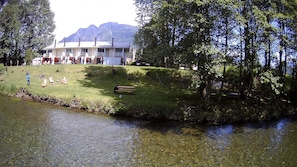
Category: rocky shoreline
[74,104]
[235,111]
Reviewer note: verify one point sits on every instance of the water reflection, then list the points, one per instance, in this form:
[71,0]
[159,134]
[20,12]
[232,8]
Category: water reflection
[279,132]
[84,139]
[33,134]
[220,136]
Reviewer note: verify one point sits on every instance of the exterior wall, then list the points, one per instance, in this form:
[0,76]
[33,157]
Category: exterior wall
[58,55]
[92,52]
[36,61]
[76,53]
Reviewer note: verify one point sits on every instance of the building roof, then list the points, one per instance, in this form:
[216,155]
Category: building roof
[90,44]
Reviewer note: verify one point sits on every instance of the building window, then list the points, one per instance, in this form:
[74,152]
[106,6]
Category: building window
[68,50]
[100,50]
[84,50]
[118,50]
[50,51]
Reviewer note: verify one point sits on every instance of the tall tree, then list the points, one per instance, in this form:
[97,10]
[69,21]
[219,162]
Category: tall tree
[165,26]
[10,32]
[37,25]
[224,35]
[206,33]
[25,25]
[145,10]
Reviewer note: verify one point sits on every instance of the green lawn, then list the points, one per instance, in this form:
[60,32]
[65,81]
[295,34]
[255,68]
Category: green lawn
[160,93]
[158,90]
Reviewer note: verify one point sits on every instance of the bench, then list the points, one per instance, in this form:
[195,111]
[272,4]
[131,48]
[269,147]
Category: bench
[128,89]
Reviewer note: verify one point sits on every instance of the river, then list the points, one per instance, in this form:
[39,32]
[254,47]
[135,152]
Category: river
[38,134]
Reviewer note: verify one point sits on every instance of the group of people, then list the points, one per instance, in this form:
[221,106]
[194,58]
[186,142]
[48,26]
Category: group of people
[44,84]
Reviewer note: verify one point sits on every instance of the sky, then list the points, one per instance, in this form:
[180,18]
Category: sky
[70,15]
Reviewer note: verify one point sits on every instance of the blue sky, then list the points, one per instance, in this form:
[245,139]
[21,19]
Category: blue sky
[70,15]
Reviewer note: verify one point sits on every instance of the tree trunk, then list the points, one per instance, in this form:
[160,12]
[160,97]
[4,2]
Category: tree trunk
[208,89]
[280,68]
[222,84]
[226,51]
[269,54]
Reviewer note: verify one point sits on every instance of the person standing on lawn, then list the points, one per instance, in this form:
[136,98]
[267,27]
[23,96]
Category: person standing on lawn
[28,78]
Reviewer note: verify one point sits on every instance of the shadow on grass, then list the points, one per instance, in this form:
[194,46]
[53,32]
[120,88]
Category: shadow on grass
[166,81]
[105,78]
[159,92]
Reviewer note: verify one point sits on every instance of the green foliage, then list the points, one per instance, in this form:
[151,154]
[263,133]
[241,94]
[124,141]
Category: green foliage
[2,69]
[10,31]
[90,87]
[208,33]
[232,72]
[8,89]
[26,27]
[196,81]
[38,24]
[271,80]
[29,56]
[232,75]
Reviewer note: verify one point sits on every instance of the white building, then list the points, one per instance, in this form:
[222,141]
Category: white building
[36,61]
[95,52]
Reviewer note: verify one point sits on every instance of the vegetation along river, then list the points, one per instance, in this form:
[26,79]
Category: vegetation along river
[37,134]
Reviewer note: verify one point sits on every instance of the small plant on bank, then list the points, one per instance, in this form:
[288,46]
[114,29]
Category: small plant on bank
[8,89]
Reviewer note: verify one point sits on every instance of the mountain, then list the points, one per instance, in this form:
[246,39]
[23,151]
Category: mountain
[105,32]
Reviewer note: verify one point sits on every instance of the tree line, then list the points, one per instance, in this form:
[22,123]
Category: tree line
[26,27]
[256,37]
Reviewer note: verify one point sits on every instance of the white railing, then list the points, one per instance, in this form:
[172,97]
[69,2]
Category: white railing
[116,54]
[100,54]
[69,54]
[83,53]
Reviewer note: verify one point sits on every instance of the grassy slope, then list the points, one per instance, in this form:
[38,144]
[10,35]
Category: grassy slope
[160,93]
[158,90]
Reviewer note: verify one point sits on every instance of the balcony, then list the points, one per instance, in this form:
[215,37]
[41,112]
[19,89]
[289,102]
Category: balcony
[69,54]
[100,54]
[119,54]
[84,54]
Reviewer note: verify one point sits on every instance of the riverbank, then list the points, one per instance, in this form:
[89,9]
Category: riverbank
[38,134]
[236,111]
[160,94]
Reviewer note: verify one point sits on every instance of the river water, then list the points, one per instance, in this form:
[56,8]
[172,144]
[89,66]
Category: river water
[37,134]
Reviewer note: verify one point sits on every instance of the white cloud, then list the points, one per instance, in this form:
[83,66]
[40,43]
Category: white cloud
[70,15]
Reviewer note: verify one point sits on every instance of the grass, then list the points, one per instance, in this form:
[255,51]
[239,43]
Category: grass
[158,90]
[160,93]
